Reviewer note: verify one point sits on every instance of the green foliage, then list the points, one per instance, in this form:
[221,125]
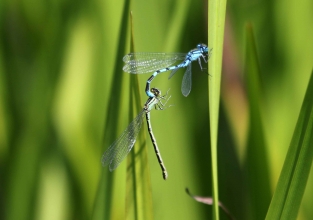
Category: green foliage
[293,178]
[216,15]
[256,161]
[64,99]
[138,185]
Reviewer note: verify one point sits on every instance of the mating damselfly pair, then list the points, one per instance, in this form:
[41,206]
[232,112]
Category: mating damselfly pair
[138,63]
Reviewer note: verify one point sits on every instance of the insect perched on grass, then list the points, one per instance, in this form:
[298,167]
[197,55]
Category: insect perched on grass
[145,62]
[116,153]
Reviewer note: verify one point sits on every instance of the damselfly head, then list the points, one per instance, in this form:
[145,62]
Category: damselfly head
[203,48]
[155,91]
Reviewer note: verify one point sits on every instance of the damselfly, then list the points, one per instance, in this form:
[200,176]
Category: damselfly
[116,153]
[161,62]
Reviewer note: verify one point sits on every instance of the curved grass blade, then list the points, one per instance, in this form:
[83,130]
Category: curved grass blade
[216,23]
[294,175]
[105,206]
[256,164]
[138,183]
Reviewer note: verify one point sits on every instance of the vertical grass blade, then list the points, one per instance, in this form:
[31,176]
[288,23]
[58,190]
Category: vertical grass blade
[256,165]
[138,185]
[105,205]
[216,11]
[294,175]
[176,24]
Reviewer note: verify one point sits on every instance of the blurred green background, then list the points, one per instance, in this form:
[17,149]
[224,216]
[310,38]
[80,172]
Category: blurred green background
[57,61]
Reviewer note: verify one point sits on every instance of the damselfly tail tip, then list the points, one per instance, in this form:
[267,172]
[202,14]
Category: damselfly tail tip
[165,175]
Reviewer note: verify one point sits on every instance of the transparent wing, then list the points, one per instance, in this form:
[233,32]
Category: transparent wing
[117,152]
[150,62]
[186,84]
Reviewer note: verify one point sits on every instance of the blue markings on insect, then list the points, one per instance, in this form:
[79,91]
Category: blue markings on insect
[138,63]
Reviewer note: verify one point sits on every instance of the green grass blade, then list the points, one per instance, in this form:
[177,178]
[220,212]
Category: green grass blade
[138,183]
[106,206]
[216,11]
[294,175]
[24,164]
[256,165]
[176,25]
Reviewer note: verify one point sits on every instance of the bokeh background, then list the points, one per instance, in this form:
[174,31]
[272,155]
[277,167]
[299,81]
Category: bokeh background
[57,67]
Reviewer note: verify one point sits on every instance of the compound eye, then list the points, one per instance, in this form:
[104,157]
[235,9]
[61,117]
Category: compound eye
[155,91]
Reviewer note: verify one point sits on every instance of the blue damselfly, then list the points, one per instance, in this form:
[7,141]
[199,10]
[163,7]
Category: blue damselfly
[144,62]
